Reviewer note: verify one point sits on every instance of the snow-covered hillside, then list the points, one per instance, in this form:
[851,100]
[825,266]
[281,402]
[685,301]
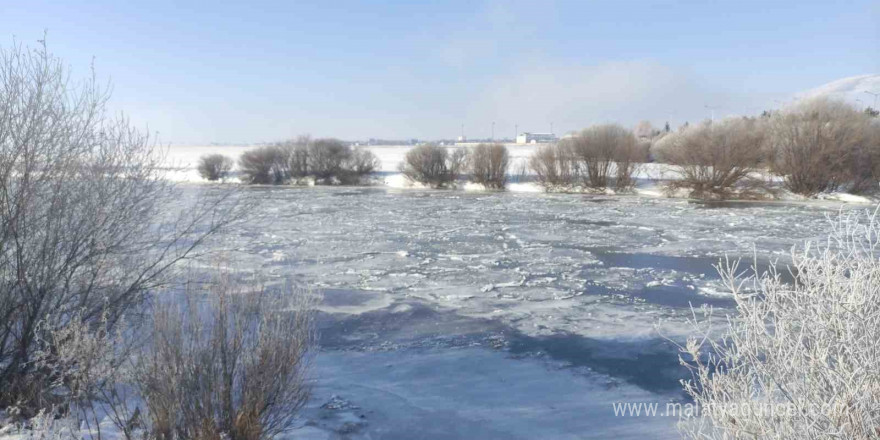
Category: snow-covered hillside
[851,89]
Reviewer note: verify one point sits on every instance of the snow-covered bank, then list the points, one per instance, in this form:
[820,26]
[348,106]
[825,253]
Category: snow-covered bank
[182,161]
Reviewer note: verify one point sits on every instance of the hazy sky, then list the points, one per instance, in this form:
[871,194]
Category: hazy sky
[263,70]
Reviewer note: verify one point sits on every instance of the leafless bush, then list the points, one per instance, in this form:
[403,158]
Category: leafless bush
[864,163]
[456,163]
[433,165]
[595,149]
[84,230]
[553,165]
[299,161]
[823,145]
[214,166]
[84,366]
[297,152]
[362,162]
[265,165]
[47,426]
[328,159]
[800,360]
[488,165]
[630,158]
[227,363]
[713,159]
[600,151]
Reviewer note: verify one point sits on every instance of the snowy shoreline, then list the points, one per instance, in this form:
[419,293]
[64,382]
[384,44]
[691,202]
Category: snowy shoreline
[182,160]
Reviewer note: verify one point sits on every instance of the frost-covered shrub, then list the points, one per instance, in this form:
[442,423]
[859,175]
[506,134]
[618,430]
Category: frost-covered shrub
[433,165]
[713,159]
[553,165]
[46,426]
[85,364]
[80,249]
[215,166]
[606,155]
[797,360]
[265,165]
[226,363]
[488,165]
[823,145]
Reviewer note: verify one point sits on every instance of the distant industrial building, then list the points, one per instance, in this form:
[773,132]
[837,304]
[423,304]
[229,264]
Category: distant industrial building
[535,138]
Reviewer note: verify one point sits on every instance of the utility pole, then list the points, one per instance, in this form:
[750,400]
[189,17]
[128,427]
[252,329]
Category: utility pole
[551,128]
[712,110]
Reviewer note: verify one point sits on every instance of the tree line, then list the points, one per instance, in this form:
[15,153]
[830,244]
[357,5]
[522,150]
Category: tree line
[815,146]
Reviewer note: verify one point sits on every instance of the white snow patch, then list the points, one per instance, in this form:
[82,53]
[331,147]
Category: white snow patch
[848,89]
[845,198]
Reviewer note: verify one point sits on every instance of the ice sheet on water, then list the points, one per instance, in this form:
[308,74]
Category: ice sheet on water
[412,393]
[514,256]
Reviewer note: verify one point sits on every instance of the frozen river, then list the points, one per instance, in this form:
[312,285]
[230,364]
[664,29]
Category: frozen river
[449,314]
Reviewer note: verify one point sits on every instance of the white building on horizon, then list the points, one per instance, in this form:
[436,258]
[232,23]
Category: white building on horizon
[535,138]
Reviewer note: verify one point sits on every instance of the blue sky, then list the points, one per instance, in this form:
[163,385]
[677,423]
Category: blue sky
[257,71]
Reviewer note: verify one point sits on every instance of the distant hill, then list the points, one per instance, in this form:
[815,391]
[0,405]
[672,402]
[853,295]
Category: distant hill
[848,89]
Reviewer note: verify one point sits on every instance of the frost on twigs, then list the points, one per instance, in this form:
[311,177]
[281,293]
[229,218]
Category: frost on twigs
[86,230]
[229,360]
[800,360]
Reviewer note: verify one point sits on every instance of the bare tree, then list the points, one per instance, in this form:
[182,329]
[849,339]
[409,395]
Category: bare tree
[227,363]
[328,158]
[328,161]
[265,165]
[629,161]
[456,163]
[599,149]
[432,165]
[553,165]
[362,162]
[821,145]
[798,360]
[215,166]
[488,165]
[84,231]
[298,154]
[714,159]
